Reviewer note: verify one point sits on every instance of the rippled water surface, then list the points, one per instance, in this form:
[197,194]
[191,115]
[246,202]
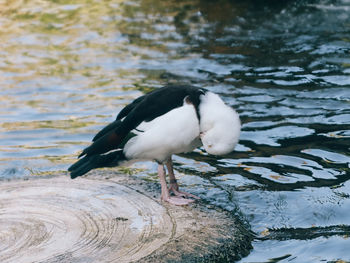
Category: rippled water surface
[68,67]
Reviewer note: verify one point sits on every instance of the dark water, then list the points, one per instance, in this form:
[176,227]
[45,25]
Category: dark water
[67,67]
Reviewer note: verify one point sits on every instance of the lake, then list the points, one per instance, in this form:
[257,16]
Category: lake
[68,67]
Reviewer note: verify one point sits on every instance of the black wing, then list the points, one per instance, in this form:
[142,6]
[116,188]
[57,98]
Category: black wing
[159,102]
[149,107]
[124,112]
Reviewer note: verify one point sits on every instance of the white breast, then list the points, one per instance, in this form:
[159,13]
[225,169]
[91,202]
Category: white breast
[174,132]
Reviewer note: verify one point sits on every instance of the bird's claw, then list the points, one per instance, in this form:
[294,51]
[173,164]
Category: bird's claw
[183,194]
[175,200]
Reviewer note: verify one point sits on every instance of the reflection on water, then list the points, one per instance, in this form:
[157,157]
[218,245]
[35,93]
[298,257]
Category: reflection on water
[68,67]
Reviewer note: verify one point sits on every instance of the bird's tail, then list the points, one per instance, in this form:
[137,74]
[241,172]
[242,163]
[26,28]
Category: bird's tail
[90,162]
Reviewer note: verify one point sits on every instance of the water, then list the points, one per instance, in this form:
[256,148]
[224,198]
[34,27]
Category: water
[68,67]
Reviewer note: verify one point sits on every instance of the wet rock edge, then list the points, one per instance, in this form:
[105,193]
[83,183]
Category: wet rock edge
[217,237]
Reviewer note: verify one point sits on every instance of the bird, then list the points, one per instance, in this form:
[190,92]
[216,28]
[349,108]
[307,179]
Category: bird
[170,120]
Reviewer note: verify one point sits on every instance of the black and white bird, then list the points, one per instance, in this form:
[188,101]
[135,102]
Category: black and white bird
[166,121]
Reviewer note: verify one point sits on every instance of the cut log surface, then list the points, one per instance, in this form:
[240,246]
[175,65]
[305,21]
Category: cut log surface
[112,220]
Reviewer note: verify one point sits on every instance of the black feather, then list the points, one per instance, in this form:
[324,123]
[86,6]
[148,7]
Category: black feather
[128,108]
[112,126]
[88,163]
[109,141]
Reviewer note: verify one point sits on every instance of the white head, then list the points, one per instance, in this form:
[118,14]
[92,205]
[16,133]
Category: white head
[220,126]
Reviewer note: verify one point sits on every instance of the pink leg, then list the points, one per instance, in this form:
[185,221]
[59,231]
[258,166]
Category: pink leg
[174,187]
[165,195]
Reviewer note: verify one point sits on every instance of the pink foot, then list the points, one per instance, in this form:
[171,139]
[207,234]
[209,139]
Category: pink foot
[175,190]
[174,200]
[184,194]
